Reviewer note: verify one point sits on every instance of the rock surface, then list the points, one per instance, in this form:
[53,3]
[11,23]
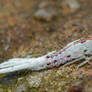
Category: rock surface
[22,35]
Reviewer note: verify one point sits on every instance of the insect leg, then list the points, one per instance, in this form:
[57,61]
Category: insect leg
[83,63]
[73,61]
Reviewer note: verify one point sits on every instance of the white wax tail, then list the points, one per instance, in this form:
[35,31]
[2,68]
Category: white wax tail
[22,63]
[17,64]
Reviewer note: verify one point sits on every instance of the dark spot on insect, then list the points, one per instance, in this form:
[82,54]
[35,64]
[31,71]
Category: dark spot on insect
[83,40]
[69,56]
[85,50]
[55,61]
[88,55]
[48,63]
[47,56]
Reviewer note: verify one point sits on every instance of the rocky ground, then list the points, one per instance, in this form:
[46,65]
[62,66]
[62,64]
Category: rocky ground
[33,28]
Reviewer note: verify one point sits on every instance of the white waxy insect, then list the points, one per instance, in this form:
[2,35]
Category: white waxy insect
[75,51]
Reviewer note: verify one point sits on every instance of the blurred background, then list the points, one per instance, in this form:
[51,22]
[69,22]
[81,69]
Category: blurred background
[34,27]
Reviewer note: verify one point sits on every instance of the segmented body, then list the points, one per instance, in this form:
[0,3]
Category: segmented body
[74,51]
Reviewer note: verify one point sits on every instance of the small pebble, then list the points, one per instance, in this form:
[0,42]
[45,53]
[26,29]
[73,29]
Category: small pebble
[45,15]
[76,88]
[70,6]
